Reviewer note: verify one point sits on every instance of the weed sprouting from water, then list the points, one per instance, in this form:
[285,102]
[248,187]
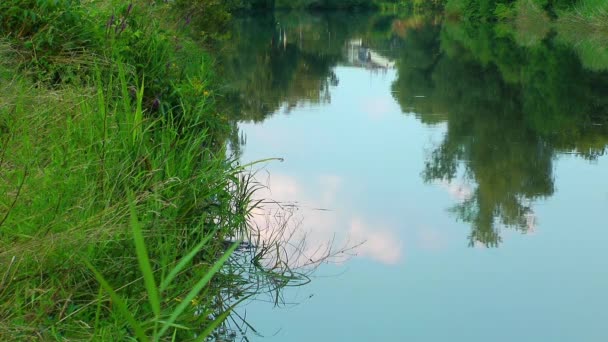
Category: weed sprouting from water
[274,254]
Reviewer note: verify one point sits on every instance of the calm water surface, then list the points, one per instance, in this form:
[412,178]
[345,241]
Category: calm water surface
[468,160]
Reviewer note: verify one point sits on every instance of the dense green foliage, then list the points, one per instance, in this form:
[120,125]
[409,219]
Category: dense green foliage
[118,206]
[70,162]
[46,32]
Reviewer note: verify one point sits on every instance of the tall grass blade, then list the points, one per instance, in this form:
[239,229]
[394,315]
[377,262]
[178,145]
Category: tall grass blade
[101,100]
[144,260]
[98,310]
[138,116]
[261,161]
[124,90]
[119,304]
[198,287]
[184,262]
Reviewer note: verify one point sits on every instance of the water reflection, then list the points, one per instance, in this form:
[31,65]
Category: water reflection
[510,106]
[332,237]
[286,59]
[475,132]
[509,110]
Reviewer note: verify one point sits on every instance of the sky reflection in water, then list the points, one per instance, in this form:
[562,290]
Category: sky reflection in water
[423,274]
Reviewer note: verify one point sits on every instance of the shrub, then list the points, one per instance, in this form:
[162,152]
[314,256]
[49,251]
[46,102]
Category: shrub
[57,36]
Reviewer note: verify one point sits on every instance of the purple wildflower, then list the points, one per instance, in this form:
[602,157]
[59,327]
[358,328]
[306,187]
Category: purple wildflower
[110,22]
[155,103]
[122,27]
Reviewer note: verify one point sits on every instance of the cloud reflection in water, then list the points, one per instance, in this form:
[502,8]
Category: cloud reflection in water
[315,227]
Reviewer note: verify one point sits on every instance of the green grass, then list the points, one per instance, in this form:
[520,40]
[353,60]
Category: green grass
[120,215]
[588,18]
[116,198]
[82,179]
[585,27]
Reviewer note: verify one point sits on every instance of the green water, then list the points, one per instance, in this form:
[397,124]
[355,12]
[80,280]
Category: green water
[473,171]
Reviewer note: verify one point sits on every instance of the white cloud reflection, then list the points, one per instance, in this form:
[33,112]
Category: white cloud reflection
[313,221]
[381,244]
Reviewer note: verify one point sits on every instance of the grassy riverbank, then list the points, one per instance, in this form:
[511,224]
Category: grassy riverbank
[117,203]
[119,211]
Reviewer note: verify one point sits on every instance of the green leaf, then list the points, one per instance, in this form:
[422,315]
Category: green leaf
[198,287]
[144,260]
[119,304]
[184,261]
[138,115]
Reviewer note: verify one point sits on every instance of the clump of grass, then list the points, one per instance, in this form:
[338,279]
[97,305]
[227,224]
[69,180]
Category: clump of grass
[585,27]
[588,19]
[72,152]
[120,216]
[117,224]
[532,23]
[70,162]
[54,37]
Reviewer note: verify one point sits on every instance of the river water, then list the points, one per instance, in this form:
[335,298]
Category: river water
[458,172]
